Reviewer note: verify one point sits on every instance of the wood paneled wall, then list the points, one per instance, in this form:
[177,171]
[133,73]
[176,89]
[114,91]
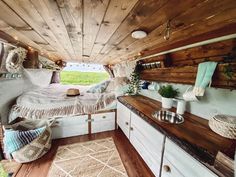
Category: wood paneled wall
[182,65]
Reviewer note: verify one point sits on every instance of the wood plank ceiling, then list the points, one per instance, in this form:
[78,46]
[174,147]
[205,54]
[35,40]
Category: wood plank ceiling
[100,30]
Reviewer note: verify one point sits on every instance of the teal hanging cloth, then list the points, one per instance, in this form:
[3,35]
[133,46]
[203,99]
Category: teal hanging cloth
[204,76]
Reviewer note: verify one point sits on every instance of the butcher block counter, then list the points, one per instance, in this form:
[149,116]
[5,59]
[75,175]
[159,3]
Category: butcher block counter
[193,135]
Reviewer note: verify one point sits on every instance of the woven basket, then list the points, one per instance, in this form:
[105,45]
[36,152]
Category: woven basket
[35,149]
[38,147]
[224,125]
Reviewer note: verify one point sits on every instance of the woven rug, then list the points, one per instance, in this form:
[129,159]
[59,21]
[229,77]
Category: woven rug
[98,158]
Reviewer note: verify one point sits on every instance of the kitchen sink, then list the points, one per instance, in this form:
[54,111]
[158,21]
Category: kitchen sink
[168,117]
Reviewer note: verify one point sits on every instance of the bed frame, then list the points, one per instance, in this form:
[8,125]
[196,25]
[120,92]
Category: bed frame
[84,124]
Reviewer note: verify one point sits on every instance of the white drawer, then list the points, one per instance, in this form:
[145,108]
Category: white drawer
[103,122]
[186,165]
[108,116]
[103,126]
[68,131]
[70,126]
[72,120]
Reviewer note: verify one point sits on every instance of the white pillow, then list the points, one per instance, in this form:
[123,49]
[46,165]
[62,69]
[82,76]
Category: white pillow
[38,77]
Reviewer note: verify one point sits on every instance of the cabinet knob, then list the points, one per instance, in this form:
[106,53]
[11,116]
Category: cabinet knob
[166,168]
[131,128]
[126,123]
[103,117]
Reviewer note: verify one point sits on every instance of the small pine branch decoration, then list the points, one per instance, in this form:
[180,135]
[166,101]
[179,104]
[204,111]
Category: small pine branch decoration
[134,87]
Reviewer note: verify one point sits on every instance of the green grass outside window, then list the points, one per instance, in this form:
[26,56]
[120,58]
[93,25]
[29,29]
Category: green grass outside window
[82,78]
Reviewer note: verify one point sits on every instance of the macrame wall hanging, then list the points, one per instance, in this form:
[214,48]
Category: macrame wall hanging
[15,60]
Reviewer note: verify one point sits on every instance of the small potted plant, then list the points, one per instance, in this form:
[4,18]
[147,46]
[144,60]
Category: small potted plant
[167,94]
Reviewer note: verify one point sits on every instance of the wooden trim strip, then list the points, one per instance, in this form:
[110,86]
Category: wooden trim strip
[89,124]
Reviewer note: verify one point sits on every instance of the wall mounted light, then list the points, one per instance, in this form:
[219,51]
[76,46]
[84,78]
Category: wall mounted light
[138,34]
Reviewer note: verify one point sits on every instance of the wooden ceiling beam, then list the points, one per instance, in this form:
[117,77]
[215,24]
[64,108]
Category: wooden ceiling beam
[100,31]
[71,12]
[117,11]
[94,12]
[51,16]
[155,21]
[141,11]
[23,41]
[188,29]
[23,8]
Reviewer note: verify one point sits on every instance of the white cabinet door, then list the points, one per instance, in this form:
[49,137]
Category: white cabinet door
[169,170]
[103,122]
[148,142]
[123,118]
[176,158]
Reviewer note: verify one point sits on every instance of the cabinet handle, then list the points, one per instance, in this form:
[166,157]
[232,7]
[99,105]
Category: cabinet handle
[103,117]
[166,168]
[131,128]
[127,123]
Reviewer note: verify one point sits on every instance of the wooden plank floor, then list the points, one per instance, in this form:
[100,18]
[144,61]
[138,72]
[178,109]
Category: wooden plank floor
[133,163]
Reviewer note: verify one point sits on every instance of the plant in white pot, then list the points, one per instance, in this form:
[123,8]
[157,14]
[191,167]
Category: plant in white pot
[167,94]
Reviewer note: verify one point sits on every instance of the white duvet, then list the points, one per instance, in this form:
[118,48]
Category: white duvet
[52,102]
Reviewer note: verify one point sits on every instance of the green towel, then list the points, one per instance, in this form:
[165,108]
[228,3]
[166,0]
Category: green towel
[204,75]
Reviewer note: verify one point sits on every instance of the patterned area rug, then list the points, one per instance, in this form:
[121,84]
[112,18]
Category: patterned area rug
[98,158]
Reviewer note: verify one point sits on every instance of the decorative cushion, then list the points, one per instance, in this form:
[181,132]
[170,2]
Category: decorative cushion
[121,90]
[99,88]
[111,86]
[38,77]
[120,81]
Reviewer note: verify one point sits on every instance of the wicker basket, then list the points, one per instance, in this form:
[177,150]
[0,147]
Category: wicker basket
[39,146]
[36,149]
[224,125]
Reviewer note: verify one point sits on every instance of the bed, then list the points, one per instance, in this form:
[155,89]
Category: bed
[52,102]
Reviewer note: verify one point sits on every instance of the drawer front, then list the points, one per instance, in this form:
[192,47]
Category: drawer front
[103,122]
[103,126]
[108,116]
[169,170]
[70,126]
[145,153]
[72,120]
[154,139]
[69,131]
[187,165]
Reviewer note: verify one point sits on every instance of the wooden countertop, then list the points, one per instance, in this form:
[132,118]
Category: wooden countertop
[194,135]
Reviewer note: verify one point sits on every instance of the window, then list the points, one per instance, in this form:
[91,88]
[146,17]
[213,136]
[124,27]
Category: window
[83,74]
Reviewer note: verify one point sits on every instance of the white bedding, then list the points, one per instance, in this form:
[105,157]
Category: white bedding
[52,102]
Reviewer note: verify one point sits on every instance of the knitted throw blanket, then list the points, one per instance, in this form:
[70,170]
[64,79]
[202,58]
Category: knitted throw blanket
[14,139]
[53,102]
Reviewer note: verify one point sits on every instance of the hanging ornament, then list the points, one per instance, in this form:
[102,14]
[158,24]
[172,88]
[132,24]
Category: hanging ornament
[167,31]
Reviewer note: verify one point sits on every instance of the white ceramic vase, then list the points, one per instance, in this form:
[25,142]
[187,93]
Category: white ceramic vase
[167,103]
